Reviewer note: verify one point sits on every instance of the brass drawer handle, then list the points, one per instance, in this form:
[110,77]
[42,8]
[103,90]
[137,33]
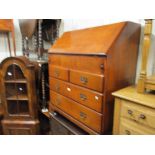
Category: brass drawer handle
[84,80]
[83,97]
[56,73]
[57,87]
[83,116]
[130,112]
[127,132]
[58,101]
[142,116]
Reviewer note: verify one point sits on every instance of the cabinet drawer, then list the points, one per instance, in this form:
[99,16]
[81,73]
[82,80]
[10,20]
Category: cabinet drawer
[59,72]
[86,116]
[84,96]
[141,114]
[88,80]
[128,127]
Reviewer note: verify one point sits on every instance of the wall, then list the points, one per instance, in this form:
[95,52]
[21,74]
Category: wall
[73,24]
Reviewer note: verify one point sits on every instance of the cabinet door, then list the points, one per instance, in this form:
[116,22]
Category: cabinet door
[13,72]
[11,127]
[19,131]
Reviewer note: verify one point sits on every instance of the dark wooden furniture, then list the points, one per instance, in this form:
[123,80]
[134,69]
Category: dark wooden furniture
[85,66]
[7,27]
[35,31]
[1,117]
[1,112]
[19,96]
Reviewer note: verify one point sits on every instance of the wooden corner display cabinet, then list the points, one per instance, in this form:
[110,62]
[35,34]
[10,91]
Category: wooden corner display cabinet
[86,66]
[18,96]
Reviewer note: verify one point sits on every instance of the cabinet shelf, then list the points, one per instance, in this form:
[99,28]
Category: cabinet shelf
[20,114]
[19,97]
[16,81]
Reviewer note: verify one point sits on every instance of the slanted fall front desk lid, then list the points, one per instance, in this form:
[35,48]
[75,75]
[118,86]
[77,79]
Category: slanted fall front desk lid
[95,40]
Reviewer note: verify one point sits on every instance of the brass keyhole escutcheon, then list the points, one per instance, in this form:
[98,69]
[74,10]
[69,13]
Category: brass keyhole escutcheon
[58,101]
[57,87]
[56,73]
[102,66]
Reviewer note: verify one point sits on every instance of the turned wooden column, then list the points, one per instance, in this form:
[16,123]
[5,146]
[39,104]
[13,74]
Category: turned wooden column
[40,40]
[145,54]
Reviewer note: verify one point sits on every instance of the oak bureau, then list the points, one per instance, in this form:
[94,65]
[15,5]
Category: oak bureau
[86,66]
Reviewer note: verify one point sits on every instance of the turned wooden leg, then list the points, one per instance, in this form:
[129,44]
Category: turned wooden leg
[145,53]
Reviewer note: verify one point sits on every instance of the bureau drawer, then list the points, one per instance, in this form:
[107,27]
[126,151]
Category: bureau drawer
[92,64]
[84,96]
[59,72]
[128,127]
[88,80]
[141,114]
[87,116]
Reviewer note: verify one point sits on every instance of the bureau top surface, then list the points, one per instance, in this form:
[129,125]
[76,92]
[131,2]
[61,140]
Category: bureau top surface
[95,40]
[130,93]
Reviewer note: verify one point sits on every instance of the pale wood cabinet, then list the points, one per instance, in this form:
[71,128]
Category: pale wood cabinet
[146,82]
[134,113]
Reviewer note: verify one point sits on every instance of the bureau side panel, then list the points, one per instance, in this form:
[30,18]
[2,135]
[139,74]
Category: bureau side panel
[121,65]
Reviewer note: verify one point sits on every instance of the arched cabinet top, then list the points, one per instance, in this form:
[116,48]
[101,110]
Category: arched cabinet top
[20,60]
[16,68]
